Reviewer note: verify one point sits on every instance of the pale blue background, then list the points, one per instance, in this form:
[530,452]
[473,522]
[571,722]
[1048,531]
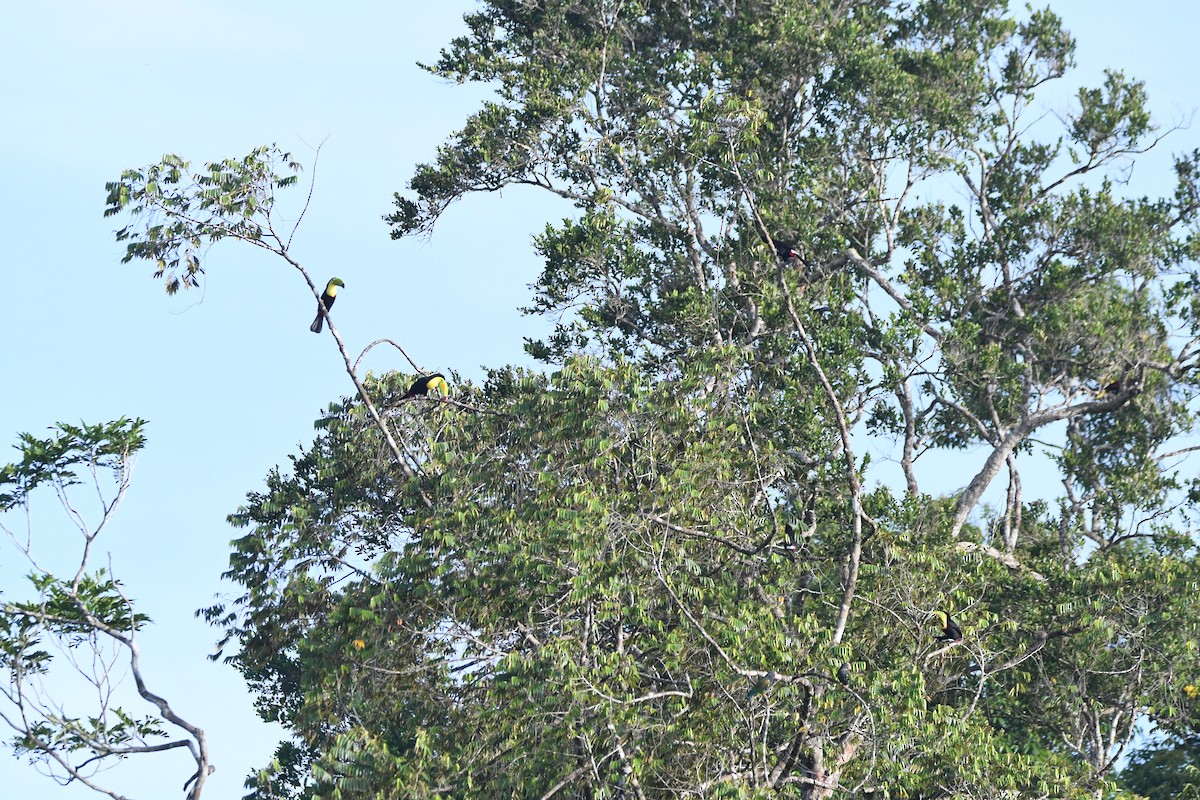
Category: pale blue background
[229,377]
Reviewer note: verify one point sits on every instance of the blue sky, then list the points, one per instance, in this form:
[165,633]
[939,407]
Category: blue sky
[229,377]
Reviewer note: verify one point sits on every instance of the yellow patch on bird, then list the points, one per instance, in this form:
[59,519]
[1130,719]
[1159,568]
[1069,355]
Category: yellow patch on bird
[359,644]
[440,385]
[1190,690]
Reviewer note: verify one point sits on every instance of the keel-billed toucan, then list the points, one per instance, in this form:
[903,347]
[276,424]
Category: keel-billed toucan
[327,298]
[950,630]
[421,386]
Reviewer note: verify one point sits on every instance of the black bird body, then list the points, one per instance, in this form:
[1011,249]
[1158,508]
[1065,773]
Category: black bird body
[950,630]
[790,541]
[421,386]
[786,251]
[327,298]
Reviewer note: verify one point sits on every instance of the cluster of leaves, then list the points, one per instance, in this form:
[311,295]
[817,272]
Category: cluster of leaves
[178,210]
[57,460]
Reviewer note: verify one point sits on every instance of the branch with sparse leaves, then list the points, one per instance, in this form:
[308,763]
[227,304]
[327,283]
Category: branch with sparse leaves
[88,613]
[177,211]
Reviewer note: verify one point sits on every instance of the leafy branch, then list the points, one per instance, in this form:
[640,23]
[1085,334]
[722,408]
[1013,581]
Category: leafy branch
[88,611]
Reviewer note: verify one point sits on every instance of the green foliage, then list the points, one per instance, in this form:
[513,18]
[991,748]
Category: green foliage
[589,559]
[58,459]
[180,211]
[78,626]
[1167,771]
[640,573]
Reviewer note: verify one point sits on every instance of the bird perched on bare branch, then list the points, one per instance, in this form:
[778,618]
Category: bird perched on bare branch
[327,298]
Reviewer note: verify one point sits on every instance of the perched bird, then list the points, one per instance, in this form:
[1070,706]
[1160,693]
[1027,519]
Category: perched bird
[1123,384]
[762,684]
[784,248]
[843,673]
[950,630]
[786,251]
[421,386]
[327,298]
[790,541]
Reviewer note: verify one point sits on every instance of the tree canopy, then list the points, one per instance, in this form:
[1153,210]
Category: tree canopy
[798,233]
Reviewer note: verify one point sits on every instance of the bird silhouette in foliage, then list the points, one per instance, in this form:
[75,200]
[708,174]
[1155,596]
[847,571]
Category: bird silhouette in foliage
[785,248]
[950,630]
[786,251]
[762,683]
